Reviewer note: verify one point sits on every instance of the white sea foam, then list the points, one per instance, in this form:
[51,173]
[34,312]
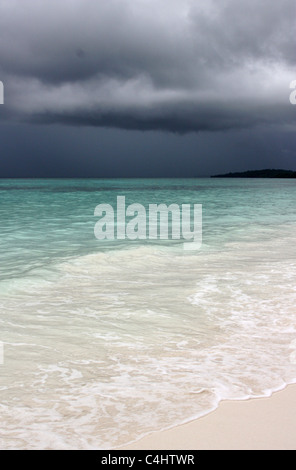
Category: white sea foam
[122,343]
[102,347]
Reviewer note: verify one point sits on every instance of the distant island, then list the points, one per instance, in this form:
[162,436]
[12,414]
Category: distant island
[259,174]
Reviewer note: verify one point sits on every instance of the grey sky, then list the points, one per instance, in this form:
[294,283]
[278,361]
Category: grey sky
[201,67]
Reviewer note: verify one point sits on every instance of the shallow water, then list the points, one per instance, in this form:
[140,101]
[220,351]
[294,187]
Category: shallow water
[105,341]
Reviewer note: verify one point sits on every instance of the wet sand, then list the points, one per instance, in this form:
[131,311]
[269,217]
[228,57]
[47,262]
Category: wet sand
[254,424]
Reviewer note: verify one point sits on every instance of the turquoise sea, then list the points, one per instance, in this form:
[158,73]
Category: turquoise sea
[106,341]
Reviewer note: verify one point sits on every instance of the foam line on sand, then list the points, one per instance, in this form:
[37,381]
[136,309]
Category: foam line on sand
[254,424]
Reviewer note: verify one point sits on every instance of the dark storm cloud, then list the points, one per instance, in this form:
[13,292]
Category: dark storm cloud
[172,65]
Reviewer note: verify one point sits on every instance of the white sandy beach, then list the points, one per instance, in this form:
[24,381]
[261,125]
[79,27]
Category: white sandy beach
[255,424]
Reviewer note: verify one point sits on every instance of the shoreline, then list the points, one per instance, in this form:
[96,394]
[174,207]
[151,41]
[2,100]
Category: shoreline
[267,423]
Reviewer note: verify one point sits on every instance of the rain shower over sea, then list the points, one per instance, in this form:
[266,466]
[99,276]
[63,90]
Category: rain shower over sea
[106,340]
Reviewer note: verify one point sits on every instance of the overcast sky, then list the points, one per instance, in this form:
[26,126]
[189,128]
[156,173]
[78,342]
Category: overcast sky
[146,87]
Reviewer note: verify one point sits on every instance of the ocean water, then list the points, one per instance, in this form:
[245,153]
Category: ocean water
[106,341]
